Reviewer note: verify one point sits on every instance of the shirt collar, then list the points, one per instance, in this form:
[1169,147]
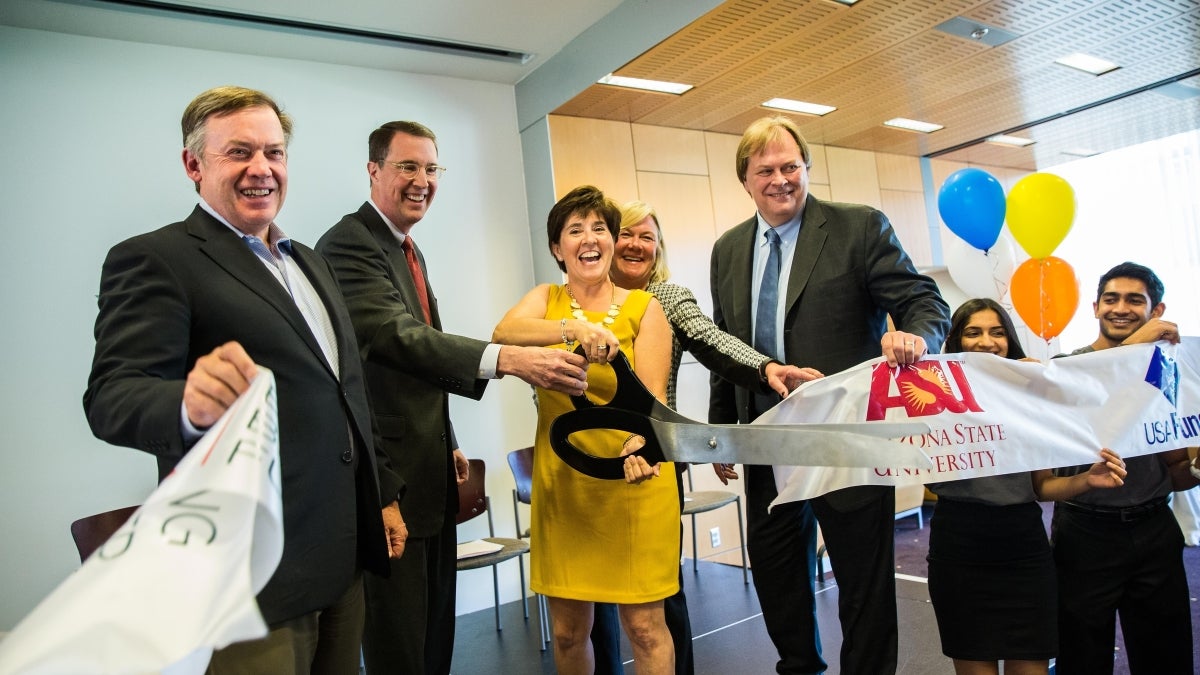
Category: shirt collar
[788,232]
[276,239]
[400,236]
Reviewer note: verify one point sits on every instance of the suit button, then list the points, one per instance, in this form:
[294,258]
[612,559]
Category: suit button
[348,456]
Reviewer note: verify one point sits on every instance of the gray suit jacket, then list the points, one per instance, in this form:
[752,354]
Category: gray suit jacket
[410,366]
[848,274]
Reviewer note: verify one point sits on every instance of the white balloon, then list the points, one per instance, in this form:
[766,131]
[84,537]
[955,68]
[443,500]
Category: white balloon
[980,274]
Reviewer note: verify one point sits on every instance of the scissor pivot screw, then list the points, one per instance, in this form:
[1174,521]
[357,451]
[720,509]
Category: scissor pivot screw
[712,442]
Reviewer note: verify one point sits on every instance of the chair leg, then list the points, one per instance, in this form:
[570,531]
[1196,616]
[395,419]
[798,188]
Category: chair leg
[742,538]
[496,595]
[695,550]
[543,620]
[524,600]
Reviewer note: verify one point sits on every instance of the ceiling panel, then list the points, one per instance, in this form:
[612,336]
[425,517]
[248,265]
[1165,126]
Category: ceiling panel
[880,59]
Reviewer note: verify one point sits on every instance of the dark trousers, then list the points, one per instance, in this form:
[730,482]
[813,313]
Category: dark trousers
[606,639]
[861,542]
[1109,568]
[410,615]
[782,545]
[861,545]
[325,642]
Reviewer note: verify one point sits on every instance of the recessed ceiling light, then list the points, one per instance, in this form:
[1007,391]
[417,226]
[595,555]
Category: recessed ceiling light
[1088,64]
[799,106]
[648,85]
[1015,141]
[1081,152]
[845,2]
[913,125]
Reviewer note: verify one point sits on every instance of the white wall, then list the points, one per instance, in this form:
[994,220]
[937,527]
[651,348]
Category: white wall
[89,136]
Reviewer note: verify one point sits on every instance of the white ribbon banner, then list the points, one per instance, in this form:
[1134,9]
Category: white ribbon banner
[989,415]
[179,579]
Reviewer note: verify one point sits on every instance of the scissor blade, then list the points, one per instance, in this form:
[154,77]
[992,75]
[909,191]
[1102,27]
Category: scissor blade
[836,445]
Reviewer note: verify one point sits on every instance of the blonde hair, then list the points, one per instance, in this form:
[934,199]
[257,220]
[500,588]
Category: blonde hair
[633,213]
[761,132]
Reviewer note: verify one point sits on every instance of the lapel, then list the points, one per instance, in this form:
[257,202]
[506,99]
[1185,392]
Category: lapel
[231,254]
[741,274]
[399,264]
[808,250]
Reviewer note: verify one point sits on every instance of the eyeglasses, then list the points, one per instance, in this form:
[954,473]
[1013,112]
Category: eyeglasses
[409,169]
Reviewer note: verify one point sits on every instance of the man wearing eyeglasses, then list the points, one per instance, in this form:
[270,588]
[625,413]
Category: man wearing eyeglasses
[411,368]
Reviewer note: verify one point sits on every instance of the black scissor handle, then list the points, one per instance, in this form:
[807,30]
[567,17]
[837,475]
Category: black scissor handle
[630,393]
[629,410]
[601,417]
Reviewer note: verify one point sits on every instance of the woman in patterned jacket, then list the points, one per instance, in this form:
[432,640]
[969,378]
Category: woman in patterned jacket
[640,262]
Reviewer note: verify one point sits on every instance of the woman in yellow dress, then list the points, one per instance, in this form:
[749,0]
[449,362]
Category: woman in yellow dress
[594,540]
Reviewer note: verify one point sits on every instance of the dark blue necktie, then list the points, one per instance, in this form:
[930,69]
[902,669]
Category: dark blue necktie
[768,299]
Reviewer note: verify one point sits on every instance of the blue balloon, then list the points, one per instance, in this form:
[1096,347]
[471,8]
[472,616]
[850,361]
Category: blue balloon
[971,203]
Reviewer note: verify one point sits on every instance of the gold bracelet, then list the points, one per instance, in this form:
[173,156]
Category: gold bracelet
[628,438]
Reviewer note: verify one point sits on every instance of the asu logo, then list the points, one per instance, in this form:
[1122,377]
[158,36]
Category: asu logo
[922,389]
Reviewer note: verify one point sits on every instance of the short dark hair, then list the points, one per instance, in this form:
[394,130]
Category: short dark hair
[380,140]
[584,199]
[962,315]
[1131,270]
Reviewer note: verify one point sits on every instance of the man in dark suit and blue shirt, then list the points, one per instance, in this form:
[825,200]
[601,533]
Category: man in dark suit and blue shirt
[812,283]
[187,313]
[411,367]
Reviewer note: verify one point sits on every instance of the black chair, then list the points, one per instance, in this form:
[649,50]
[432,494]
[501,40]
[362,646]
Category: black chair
[90,532]
[472,502]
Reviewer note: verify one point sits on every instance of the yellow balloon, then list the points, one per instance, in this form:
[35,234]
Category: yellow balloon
[1039,211]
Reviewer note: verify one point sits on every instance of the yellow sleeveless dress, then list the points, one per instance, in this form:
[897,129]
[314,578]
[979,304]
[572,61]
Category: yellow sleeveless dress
[592,539]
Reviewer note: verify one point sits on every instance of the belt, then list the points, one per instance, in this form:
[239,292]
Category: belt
[1125,514]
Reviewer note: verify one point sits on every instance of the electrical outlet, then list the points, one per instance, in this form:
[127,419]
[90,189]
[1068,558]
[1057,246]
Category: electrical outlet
[715,535]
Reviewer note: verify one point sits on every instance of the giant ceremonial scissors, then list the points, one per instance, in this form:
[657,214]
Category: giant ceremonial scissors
[675,438]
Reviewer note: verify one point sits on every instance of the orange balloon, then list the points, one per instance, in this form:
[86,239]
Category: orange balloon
[1045,293]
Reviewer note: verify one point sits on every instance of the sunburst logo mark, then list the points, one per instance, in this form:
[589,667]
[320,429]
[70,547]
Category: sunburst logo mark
[919,398]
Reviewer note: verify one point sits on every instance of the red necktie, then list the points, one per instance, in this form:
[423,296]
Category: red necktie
[418,277]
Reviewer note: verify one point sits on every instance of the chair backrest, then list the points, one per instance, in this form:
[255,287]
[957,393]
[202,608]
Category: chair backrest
[90,532]
[472,496]
[521,463]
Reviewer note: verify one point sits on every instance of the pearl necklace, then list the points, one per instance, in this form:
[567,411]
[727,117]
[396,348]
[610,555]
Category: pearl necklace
[613,308]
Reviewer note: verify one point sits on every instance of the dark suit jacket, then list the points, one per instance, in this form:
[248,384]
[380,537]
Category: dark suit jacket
[848,274]
[410,366]
[171,296]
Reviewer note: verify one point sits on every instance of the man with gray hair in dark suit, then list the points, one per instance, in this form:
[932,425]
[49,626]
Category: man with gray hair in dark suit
[187,314]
